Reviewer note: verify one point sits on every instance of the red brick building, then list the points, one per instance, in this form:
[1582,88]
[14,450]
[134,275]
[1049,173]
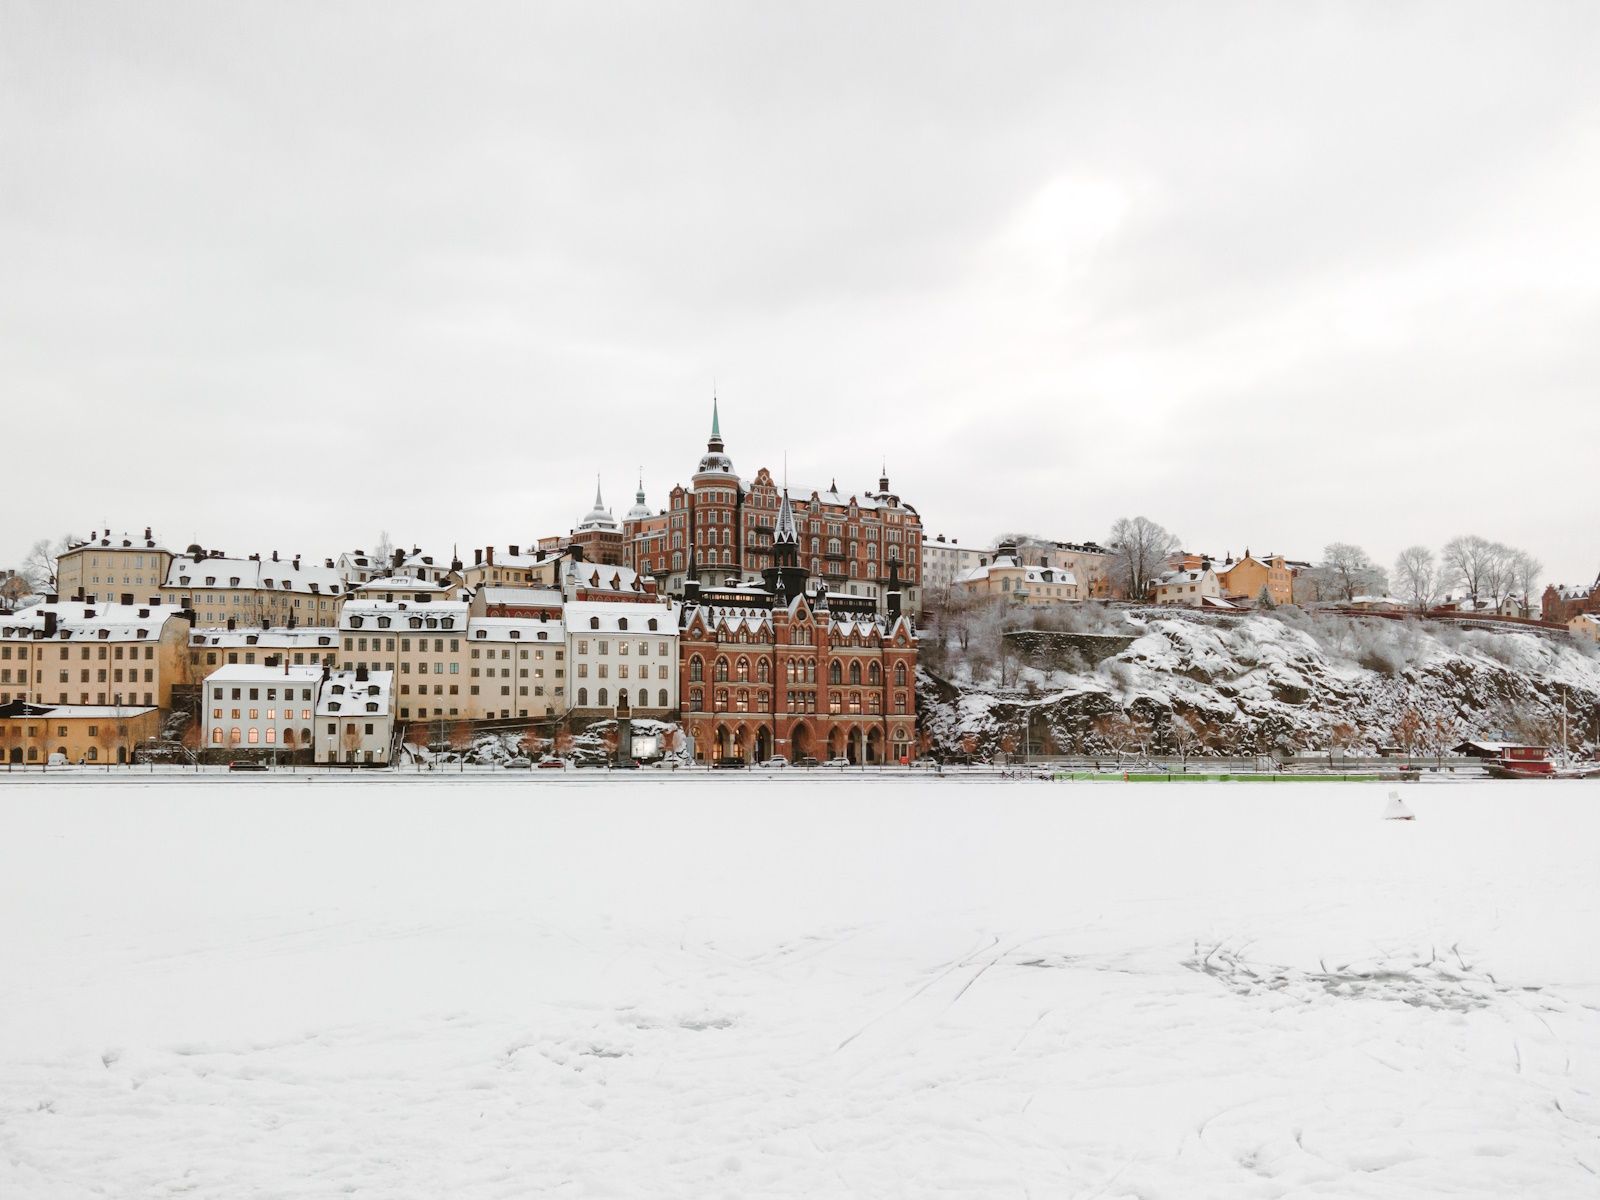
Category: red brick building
[1561,603]
[721,527]
[777,669]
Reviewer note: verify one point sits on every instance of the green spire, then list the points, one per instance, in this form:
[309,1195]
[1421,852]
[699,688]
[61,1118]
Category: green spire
[716,424]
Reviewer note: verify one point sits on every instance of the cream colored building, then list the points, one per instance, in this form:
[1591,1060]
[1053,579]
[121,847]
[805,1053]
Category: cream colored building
[514,568]
[1585,626]
[944,562]
[32,733]
[1006,577]
[302,646]
[418,589]
[516,667]
[255,591]
[111,568]
[73,653]
[423,645]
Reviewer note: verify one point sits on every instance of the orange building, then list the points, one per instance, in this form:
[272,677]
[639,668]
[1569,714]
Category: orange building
[1243,579]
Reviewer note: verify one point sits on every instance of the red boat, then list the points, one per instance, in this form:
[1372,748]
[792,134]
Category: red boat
[1534,762]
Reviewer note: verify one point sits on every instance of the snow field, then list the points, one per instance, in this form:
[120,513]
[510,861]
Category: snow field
[633,987]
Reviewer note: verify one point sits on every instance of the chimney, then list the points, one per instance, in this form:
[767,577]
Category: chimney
[399,557]
[127,599]
[49,624]
[88,614]
[148,536]
[274,556]
[361,672]
[489,552]
[144,613]
[230,623]
[477,557]
[576,551]
[516,551]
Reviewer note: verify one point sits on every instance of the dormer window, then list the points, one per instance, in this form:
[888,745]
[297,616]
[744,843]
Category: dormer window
[355,622]
[543,636]
[516,633]
[594,622]
[652,624]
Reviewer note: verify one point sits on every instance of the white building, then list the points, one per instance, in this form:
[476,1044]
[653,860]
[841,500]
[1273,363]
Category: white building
[1196,588]
[355,717]
[612,646]
[1585,626]
[299,646]
[260,707]
[944,562]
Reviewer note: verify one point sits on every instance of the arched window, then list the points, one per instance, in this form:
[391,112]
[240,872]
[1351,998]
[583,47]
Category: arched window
[594,622]
[761,671]
[652,624]
[899,674]
[761,700]
[873,675]
[727,558]
[697,668]
[811,670]
[835,672]
[235,736]
[644,698]
[722,670]
[583,697]
[873,702]
[216,736]
[855,673]
[661,698]
[744,699]
[603,698]
[722,699]
[743,670]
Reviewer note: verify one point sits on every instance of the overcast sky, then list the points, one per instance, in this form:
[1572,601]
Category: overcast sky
[279,276]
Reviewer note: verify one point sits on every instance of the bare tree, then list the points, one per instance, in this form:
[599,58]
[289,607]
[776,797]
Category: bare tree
[1139,552]
[1347,572]
[1409,731]
[1191,733]
[1470,561]
[1525,572]
[383,553]
[1417,577]
[41,564]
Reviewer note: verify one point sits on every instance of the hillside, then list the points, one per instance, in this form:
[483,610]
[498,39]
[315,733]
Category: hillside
[1264,683]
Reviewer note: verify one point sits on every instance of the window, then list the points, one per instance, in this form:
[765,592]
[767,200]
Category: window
[583,697]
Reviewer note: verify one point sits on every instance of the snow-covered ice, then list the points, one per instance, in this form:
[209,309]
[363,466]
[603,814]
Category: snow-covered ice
[732,987]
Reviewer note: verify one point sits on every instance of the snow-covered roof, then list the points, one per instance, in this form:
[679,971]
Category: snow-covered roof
[90,712]
[282,575]
[609,617]
[277,637]
[1178,578]
[514,629]
[106,540]
[520,597]
[342,694]
[603,577]
[261,673]
[78,620]
[401,583]
[402,615]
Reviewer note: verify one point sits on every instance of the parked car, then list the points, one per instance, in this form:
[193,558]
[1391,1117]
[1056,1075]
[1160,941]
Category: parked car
[551,762]
[729,764]
[518,764]
[777,760]
[840,762]
[244,765]
[56,760]
[806,761]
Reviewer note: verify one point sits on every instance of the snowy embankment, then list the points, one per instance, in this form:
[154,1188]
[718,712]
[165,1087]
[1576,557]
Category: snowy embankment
[1279,683]
[843,989]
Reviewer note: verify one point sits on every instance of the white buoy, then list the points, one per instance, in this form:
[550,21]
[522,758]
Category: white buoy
[1396,809]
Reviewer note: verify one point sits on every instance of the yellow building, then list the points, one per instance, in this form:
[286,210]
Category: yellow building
[37,733]
[254,591]
[1585,626]
[540,569]
[110,569]
[302,646]
[1244,578]
[1006,577]
[74,653]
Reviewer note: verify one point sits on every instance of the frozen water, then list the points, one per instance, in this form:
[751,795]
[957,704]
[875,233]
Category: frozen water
[731,987]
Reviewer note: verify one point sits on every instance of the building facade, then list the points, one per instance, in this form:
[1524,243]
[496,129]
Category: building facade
[780,670]
[264,709]
[34,733]
[355,718]
[73,653]
[302,646]
[614,648]
[111,569]
[254,591]
[1243,579]
[721,527]
[1561,603]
